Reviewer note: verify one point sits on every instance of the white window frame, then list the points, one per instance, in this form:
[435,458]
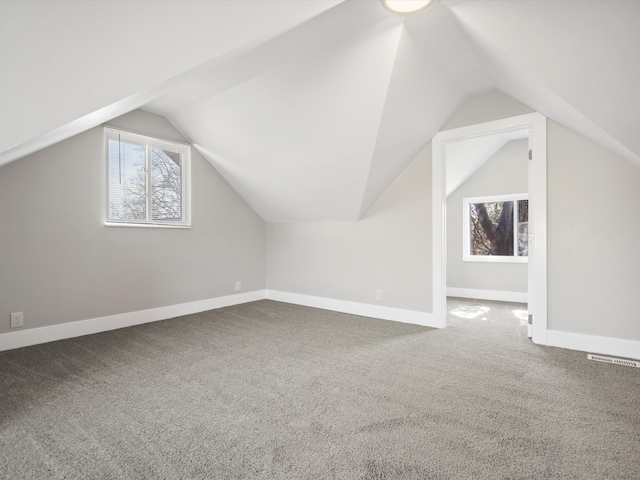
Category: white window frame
[466,229]
[183,149]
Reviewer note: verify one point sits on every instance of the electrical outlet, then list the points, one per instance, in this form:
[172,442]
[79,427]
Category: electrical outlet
[379,295]
[238,286]
[17,319]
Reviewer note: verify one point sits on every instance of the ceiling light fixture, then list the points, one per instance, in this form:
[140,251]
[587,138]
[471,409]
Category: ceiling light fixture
[405,7]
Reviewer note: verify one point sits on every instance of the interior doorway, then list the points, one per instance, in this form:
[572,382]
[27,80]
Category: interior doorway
[533,127]
[486,221]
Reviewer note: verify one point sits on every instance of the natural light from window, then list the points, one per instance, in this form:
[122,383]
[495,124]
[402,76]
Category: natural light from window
[469,312]
[496,228]
[522,315]
[147,181]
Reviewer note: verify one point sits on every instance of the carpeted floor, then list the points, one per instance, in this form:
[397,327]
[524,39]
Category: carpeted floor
[270,390]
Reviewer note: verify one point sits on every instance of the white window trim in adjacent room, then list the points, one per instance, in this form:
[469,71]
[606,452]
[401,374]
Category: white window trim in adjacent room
[466,229]
[149,143]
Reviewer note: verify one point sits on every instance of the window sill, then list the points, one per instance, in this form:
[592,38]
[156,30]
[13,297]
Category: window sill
[496,259]
[144,225]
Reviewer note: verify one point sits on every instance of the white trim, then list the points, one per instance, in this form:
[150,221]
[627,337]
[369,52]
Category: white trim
[52,333]
[144,225]
[537,125]
[538,229]
[355,308]
[34,336]
[500,296]
[439,228]
[142,136]
[594,344]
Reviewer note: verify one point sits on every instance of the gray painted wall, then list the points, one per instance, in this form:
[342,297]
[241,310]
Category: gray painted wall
[594,238]
[504,173]
[389,249]
[59,263]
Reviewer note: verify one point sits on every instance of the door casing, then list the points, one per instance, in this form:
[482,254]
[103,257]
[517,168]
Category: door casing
[536,124]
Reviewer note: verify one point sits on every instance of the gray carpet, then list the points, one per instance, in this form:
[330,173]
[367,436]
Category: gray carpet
[270,390]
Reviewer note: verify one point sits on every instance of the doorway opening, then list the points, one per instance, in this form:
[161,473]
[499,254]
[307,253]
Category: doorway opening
[447,146]
[487,231]
[488,319]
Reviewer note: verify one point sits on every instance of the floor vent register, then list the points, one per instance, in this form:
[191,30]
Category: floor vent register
[615,361]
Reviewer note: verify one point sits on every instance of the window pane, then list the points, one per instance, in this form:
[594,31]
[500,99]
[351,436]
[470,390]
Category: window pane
[166,185]
[491,228]
[523,228]
[127,181]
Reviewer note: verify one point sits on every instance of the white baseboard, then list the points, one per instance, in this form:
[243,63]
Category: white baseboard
[617,347]
[34,336]
[500,296]
[355,308]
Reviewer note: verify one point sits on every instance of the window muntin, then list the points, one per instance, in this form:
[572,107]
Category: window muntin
[496,228]
[147,180]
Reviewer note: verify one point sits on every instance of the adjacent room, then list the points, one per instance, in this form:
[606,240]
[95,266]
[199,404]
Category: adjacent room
[368,239]
[487,184]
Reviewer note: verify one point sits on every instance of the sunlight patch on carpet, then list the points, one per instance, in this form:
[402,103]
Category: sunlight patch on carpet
[522,315]
[469,311]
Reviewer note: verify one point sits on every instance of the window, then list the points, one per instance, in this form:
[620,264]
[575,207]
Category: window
[147,180]
[496,228]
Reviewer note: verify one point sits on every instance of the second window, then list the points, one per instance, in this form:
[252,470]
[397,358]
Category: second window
[496,228]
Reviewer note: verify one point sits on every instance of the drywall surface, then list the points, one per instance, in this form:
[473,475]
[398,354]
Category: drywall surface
[102,54]
[486,108]
[60,263]
[504,173]
[593,238]
[389,249]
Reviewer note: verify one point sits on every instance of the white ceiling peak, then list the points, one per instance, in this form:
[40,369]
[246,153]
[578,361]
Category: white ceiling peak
[309,173]
[297,83]
[421,94]
[310,109]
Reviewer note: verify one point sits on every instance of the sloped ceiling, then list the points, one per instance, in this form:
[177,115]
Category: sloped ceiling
[310,109]
[464,158]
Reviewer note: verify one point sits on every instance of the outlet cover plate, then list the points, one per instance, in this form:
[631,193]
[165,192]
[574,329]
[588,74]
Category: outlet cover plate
[17,319]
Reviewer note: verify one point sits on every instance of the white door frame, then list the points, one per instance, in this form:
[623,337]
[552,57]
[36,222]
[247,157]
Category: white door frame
[537,126]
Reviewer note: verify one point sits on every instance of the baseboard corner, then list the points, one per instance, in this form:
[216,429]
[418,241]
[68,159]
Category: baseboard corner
[356,308]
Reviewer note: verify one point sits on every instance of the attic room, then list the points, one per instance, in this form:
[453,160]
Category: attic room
[307,312]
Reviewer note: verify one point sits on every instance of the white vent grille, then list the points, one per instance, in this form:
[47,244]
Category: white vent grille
[616,361]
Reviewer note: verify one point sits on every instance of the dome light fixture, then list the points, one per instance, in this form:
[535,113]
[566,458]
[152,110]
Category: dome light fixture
[405,7]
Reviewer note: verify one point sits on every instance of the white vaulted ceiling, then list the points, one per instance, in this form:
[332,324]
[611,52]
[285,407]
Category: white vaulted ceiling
[464,158]
[310,109]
